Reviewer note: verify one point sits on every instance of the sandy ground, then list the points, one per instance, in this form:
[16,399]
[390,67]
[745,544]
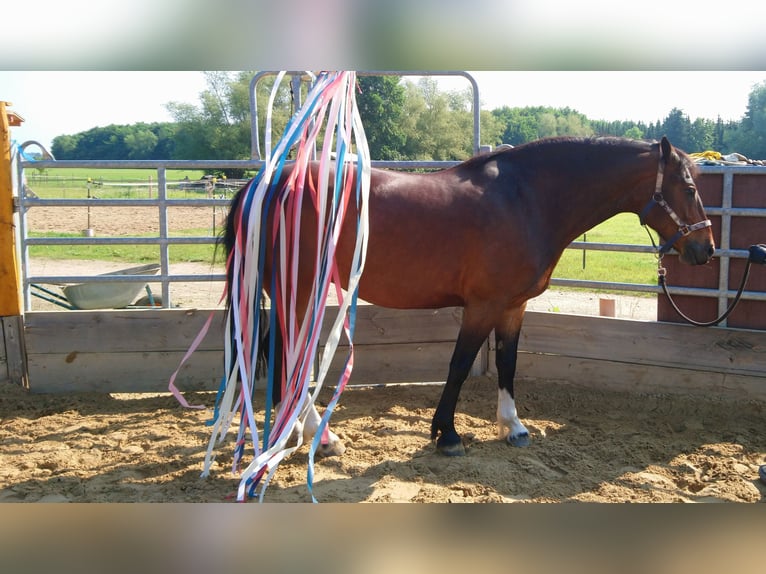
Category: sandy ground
[596,446]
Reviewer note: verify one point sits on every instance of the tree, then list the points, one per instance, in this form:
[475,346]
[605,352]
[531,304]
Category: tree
[750,139]
[62,147]
[381,105]
[219,128]
[140,143]
[438,125]
[530,123]
[701,136]
[677,128]
[491,128]
[137,141]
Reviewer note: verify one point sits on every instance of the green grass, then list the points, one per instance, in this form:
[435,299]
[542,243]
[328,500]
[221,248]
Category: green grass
[129,174]
[127,253]
[77,183]
[608,265]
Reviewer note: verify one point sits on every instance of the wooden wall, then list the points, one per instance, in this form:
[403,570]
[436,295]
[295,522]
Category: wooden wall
[138,350]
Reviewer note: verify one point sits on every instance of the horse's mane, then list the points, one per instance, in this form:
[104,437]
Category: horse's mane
[607,141]
[595,141]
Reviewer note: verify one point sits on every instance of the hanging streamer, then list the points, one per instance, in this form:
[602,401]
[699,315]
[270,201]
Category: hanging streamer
[330,116]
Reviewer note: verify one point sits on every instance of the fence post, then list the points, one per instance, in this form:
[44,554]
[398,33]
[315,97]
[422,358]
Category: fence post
[11,321]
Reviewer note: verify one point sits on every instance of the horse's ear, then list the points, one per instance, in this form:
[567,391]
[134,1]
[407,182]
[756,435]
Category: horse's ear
[665,148]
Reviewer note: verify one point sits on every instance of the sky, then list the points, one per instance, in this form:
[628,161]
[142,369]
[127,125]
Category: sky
[55,103]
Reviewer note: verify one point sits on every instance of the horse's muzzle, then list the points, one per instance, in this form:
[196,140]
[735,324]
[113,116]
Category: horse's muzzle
[697,253]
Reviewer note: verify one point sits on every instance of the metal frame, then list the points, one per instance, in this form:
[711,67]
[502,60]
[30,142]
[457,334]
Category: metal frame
[306,76]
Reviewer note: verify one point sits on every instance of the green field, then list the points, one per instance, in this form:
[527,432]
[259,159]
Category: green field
[609,265]
[128,253]
[78,183]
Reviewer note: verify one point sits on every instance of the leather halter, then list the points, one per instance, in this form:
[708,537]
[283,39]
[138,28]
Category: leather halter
[658,199]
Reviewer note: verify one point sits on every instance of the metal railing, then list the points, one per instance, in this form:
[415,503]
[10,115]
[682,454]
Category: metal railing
[162,202]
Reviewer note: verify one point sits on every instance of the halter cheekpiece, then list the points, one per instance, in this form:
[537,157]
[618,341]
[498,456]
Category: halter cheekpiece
[658,199]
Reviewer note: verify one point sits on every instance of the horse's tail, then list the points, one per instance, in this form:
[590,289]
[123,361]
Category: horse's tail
[228,239]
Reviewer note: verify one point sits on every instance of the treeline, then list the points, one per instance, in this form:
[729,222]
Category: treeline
[117,142]
[403,120]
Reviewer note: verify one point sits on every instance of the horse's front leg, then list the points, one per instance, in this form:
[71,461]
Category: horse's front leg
[473,333]
[506,348]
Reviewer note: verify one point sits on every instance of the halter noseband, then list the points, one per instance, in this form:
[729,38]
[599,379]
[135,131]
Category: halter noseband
[658,199]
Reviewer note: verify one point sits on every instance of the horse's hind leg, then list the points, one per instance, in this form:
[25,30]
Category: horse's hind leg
[506,345]
[473,333]
[307,428]
[309,424]
[333,446]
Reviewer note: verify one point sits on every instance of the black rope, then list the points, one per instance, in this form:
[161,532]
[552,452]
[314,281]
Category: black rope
[757,255]
[725,313]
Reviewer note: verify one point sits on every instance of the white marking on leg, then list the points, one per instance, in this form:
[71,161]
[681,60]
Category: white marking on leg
[311,423]
[333,445]
[298,431]
[508,423]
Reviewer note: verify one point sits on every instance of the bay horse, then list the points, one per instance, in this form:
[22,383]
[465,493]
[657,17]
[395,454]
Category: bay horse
[486,235]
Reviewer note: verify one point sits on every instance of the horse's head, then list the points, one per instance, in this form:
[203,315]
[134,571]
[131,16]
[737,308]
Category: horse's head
[676,211]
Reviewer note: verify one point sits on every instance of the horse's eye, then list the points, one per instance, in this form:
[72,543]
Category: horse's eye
[691,190]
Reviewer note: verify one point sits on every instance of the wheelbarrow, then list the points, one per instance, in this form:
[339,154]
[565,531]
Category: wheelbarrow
[102,295]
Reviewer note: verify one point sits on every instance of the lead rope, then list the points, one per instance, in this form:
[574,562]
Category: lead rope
[661,273]
[757,255]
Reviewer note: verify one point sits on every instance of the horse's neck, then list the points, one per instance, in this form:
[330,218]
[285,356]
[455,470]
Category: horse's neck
[580,198]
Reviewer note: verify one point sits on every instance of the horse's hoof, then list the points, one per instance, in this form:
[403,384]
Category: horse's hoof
[454,449]
[519,440]
[336,448]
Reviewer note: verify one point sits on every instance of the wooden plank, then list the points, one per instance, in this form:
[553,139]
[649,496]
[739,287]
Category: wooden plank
[15,353]
[123,372]
[174,329]
[134,351]
[731,351]
[394,363]
[638,378]
[10,272]
[3,361]
[379,325]
[134,330]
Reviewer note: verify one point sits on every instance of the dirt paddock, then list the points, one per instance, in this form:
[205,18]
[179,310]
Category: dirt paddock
[587,445]
[595,446]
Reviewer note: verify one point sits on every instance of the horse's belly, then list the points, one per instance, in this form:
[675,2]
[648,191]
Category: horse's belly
[405,295]
[409,279]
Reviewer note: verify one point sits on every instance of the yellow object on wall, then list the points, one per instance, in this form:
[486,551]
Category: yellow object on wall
[10,291]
